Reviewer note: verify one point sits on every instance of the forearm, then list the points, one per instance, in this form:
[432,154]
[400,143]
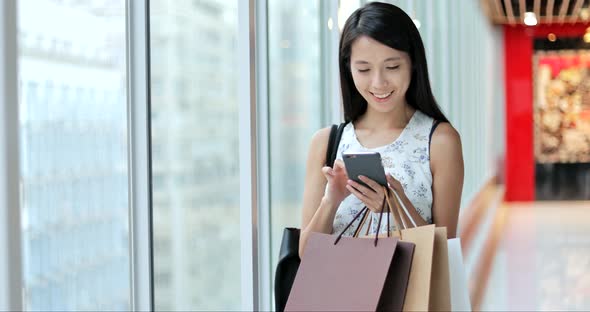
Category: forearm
[321,222]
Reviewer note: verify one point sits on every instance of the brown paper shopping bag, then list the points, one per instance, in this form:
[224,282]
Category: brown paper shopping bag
[434,279]
[428,284]
[351,274]
[440,293]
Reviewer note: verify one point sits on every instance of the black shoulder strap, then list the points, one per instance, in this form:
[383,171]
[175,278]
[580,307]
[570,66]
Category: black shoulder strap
[332,150]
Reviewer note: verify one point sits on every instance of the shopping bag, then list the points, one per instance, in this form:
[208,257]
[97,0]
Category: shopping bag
[288,263]
[460,300]
[351,274]
[440,294]
[423,237]
[428,285]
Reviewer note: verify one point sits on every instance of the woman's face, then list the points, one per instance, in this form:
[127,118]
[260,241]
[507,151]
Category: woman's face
[381,74]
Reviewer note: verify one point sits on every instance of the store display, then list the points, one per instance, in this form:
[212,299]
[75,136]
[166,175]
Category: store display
[562,106]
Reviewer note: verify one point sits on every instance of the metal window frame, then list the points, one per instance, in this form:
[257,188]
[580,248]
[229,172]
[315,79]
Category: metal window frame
[331,97]
[266,272]
[11,283]
[139,156]
[248,155]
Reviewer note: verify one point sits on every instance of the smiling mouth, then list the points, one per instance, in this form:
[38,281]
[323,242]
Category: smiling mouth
[382,96]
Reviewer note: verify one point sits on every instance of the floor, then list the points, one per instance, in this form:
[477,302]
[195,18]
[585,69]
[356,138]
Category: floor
[543,259]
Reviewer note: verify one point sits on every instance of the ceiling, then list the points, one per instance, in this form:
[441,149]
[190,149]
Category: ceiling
[546,11]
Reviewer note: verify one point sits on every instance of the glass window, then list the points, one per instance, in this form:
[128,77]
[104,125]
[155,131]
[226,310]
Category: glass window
[195,161]
[295,103]
[74,155]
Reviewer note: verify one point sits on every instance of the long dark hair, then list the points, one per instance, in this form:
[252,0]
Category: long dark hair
[392,27]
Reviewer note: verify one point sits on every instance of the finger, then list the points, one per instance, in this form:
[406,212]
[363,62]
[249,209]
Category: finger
[357,193]
[390,178]
[339,164]
[363,189]
[362,197]
[372,184]
[377,188]
[370,198]
[327,170]
[393,183]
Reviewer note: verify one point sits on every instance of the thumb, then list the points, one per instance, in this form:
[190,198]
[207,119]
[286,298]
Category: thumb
[390,178]
[339,164]
[393,182]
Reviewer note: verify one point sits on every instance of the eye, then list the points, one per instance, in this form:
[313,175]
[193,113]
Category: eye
[362,70]
[393,67]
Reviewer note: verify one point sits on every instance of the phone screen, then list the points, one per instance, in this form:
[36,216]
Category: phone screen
[367,164]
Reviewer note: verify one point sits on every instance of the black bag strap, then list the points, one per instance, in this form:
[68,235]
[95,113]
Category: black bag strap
[333,141]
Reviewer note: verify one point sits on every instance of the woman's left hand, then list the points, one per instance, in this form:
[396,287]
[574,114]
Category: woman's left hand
[372,196]
[398,188]
[394,184]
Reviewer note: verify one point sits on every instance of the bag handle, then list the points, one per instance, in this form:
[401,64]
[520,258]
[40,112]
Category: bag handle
[361,224]
[365,211]
[394,203]
[394,212]
[333,141]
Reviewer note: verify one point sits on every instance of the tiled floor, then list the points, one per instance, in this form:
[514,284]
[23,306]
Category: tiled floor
[543,259]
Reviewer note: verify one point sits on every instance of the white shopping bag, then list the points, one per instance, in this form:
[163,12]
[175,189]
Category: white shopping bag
[459,292]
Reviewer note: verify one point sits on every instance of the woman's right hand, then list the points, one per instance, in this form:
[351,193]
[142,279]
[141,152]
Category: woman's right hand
[337,180]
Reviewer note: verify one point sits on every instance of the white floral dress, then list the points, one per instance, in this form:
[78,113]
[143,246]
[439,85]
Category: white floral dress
[406,159]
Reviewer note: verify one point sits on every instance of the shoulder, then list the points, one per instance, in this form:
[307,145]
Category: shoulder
[321,137]
[445,146]
[319,142]
[445,134]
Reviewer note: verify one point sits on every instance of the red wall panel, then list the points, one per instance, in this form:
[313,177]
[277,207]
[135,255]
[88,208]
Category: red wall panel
[518,53]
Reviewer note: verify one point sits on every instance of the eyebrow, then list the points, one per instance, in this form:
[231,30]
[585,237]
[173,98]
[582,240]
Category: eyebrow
[395,58]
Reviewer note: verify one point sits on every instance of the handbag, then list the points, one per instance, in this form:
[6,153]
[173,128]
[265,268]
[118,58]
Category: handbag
[289,260]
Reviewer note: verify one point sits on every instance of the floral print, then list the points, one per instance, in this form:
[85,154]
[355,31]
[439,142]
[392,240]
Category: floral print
[420,155]
[406,159]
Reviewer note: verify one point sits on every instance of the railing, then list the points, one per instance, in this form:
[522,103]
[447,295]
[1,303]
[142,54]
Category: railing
[480,230]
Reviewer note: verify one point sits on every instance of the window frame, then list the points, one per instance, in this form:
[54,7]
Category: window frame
[139,156]
[248,155]
[11,296]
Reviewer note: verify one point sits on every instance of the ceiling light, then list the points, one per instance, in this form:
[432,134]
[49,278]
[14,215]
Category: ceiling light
[330,23]
[530,19]
[587,37]
[552,37]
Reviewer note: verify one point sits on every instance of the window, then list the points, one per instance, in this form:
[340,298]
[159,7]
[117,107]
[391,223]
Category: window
[295,106]
[74,161]
[197,226]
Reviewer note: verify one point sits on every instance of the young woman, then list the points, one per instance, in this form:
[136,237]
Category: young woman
[389,107]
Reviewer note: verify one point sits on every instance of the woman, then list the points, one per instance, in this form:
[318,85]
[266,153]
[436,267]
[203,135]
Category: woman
[389,107]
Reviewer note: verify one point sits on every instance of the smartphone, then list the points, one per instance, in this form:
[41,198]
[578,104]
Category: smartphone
[367,164]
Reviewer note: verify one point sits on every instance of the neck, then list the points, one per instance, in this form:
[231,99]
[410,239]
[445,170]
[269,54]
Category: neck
[395,119]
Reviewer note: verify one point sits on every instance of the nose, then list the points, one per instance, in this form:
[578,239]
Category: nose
[379,82]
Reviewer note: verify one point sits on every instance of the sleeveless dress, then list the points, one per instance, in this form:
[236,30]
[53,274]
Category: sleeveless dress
[406,159]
